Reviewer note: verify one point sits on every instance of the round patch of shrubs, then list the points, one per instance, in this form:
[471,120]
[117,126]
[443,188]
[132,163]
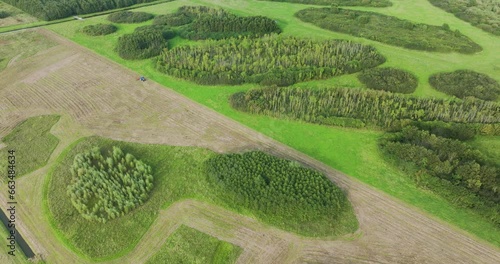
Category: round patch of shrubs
[129,17]
[465,83]
[173,20]
[108,186]
[99,29]
[4,14]
[145,42]
[389,79]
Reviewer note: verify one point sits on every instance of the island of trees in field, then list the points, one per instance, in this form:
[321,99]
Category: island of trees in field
[464,83]
[449,167]
[389,30]
[484,14]
[108,186]
[270,60]
[374,3]
[99,29]
[378,108]
[145,42]
[55,9]
[130,17]
[278,190]
[389,79]
[202,22]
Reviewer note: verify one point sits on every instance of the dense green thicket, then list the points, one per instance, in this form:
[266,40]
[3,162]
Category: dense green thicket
[451,168]
[374,3]
[188,245]
[4,14]
[55,9]
[389,30]
[459,131]
[271,60]
[270,186]
[108,186]
[130,17]
[484,14]
[371,106]
[211,23]
[99,29]
[32,142]
[464,83]
[145,42]
[389,79]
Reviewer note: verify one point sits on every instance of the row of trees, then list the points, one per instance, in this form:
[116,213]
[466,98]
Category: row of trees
[268,185]
[270,60]
[108,186]
[389,79]
[374,3]
[451,168]
[99,29]
[130,17]
[389,30]
[484,14]
[145,42]
[373,107]
[55,9]
[464,83]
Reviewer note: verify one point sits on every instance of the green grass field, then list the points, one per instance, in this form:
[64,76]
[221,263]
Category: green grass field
[187,245]
[178,174]
[32,142]
[351,151]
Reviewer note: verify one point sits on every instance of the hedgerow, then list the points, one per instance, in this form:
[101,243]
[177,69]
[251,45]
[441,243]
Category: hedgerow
[389,79]
[449,167]
[373,107]
[129,17]
[484,14]
[145,42]
[275,188]
[464,83]
[389,30]
[108,186]
[99,29]
[374,3]
[271,60]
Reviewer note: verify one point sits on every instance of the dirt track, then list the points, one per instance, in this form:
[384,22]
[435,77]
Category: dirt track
[96,96]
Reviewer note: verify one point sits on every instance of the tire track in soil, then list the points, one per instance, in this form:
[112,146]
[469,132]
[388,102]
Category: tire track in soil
[391,232]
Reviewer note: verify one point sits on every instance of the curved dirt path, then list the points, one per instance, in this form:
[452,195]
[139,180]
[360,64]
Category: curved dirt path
[100,97]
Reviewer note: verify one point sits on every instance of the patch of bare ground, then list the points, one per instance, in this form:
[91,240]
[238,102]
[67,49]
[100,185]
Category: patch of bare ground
[97,96]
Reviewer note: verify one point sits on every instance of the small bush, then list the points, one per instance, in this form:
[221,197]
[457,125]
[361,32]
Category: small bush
[389,79]
[464,83]
[4,14]
[129,17]
[107,186]
[99,29]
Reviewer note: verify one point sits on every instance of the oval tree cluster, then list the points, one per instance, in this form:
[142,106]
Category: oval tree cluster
[99,29]
[373,3]
[270,60]
[130,17]
[108,186]
[145,42]
[389,79]
[465,83]
[277,188]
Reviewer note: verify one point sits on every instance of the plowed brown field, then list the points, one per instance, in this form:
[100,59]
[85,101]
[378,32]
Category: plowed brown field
[97,96]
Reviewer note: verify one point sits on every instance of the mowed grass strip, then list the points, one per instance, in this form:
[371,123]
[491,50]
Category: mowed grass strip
[179,173]
[352,151]
[32,142]
[188,245]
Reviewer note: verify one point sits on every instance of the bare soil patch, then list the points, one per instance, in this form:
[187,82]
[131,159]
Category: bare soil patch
[97,96]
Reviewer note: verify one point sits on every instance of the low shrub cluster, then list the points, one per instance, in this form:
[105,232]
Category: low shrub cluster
[464,83]
[129,17]
[99,29]
[4,14]
[108,186]
[270,186]
[370,106]
[389,79]
[145,42]
[449,167]
[271,60]
[484,14]
[172,20]
[389,30]
[374,3]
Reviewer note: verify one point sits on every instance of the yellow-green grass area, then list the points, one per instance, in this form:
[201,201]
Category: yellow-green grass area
[32,144]
[15,16]
[178,174]
[19,257]
[188,245]
[490,146]
[17,46]
[351,151]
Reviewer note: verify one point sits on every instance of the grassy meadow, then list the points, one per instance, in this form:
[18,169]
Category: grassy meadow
[352,151]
